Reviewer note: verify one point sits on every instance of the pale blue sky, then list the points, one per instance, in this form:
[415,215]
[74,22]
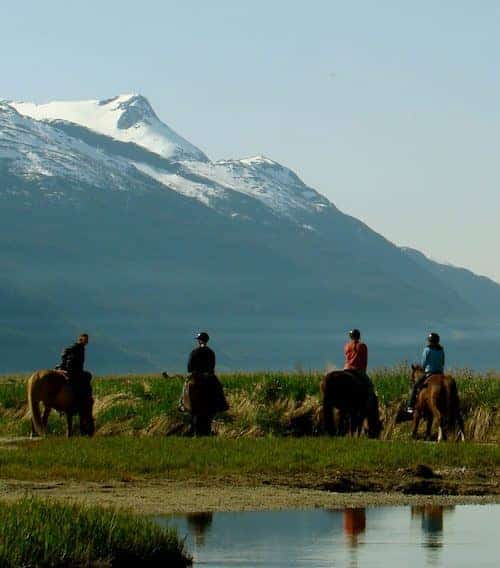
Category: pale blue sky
[389,108]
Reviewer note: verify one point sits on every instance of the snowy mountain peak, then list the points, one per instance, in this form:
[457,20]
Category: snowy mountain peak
[127,118]
[184,168]
[259,160]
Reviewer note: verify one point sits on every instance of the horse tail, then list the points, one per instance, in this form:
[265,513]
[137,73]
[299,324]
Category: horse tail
[374,422]
[327,406]
[454,413]
[34,405]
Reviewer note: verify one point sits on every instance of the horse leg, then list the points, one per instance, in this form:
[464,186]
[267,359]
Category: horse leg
[204,425]
[439,418]
[328,417]
[343,422]
[416,421]
[45,417]
[428,428]
[461,427]
[69,423]
[33,431]
[356,424]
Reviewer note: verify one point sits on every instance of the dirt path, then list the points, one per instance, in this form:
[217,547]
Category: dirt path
[163,497]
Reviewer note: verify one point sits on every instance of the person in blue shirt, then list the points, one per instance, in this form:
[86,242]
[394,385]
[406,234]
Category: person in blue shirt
[432,364]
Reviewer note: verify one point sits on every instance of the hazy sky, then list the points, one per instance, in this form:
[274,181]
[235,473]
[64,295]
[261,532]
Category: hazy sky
[389,108]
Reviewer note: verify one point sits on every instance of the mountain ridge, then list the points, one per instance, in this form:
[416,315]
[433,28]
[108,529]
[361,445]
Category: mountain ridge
[124,238]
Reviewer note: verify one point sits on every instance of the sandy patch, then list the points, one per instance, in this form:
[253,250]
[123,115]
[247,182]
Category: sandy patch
[163,497]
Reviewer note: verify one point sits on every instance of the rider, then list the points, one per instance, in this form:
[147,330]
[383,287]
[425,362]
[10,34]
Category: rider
[202,364]
[432,364]
[356,357]
[72,362]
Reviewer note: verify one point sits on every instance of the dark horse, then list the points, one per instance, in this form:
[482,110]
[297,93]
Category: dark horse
[355,401]
[51,388]
[203,397]
[437,402]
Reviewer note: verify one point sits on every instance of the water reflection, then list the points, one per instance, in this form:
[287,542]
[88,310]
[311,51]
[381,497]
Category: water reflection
[354,524]
[199,524]
[385,537]
[431,523]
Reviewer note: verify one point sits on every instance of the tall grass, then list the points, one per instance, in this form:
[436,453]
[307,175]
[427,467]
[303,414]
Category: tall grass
[43,533]
[261,403]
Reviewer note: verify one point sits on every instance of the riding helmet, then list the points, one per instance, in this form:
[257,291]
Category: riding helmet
[354,334]
[434,338]
[203,337]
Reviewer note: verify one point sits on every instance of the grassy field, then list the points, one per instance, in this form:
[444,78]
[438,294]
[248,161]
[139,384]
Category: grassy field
[44,533]
[128,458]
[261,404]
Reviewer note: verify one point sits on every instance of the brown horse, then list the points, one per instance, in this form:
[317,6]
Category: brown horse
[437,402]
[52,388]
[203,397]
[355,401]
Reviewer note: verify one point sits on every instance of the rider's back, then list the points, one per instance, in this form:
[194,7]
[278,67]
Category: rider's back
[433,359]
[356,356]
[201,360]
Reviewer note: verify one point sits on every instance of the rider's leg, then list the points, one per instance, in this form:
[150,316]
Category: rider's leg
[414,393]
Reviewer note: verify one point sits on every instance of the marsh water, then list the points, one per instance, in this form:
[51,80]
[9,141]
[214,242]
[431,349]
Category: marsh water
[378,536]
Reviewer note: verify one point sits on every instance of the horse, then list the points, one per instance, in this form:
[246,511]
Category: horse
[355,401]
[437,402]
[202,396]
[52,388]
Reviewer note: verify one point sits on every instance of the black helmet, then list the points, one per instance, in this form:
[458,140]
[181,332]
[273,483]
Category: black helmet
[434,338]
[203,337]
[354,334]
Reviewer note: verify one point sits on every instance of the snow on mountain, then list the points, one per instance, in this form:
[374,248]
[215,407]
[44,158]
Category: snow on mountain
[275,186]
[34,149]
[128,118]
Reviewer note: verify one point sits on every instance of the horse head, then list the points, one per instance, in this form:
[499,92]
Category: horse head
[416,372]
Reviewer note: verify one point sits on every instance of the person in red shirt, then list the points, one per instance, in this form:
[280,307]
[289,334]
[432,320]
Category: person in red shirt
[356,353]
[356,357]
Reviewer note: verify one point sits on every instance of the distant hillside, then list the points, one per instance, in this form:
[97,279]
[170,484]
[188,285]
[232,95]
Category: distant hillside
[141,248]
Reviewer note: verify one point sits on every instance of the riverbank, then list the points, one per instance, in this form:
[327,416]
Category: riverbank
[162,475]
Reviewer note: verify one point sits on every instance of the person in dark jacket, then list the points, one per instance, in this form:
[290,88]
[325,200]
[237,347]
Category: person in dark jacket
[202,359]
[432,364]
[201,366]
[73,362]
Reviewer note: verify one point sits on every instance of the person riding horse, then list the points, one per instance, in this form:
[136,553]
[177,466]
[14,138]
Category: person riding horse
[351,393]
[356,359]
[72,363]
[432,364]
[201,366]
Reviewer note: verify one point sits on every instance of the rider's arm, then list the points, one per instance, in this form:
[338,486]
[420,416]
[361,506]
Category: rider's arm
[66,356]
[190,363]
[425,357]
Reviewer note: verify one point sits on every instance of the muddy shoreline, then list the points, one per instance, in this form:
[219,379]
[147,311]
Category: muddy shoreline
[152,497]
